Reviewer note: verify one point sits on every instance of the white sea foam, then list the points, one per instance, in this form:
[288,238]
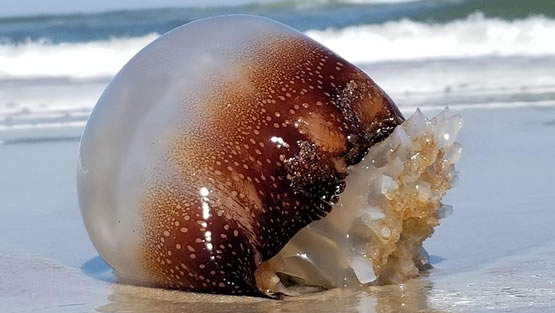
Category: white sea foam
[88,59]
[399,40]
[471,37]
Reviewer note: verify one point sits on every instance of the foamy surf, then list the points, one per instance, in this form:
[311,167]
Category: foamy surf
[470,63]
[474,36]
[79,60]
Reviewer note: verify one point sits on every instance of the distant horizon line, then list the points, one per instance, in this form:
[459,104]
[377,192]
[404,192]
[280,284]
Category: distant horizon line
[184,5]
[89,11]
[99,12]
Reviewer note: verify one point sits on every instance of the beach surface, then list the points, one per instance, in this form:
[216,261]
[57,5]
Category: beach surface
[495,253]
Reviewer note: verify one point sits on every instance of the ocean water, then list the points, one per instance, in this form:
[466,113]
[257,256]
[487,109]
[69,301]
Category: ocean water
[422,52]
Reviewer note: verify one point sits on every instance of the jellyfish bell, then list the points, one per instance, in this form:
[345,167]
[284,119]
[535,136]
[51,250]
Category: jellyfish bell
[235,155]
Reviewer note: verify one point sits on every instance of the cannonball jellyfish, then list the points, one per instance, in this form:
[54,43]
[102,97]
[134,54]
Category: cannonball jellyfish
[235,155]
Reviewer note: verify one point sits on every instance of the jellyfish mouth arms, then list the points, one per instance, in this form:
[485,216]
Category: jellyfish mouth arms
[374,233]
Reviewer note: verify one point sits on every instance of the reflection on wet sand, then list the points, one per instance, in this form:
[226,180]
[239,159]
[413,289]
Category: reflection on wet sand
[409,297]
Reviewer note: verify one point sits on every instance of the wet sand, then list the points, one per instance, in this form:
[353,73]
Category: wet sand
[495,253]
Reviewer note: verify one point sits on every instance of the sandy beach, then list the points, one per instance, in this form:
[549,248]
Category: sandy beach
[495,253]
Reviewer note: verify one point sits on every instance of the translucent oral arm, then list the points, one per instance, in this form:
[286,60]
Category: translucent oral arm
[391,204]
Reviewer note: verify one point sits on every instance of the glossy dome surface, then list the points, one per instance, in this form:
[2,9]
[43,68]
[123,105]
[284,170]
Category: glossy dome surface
[215,144]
